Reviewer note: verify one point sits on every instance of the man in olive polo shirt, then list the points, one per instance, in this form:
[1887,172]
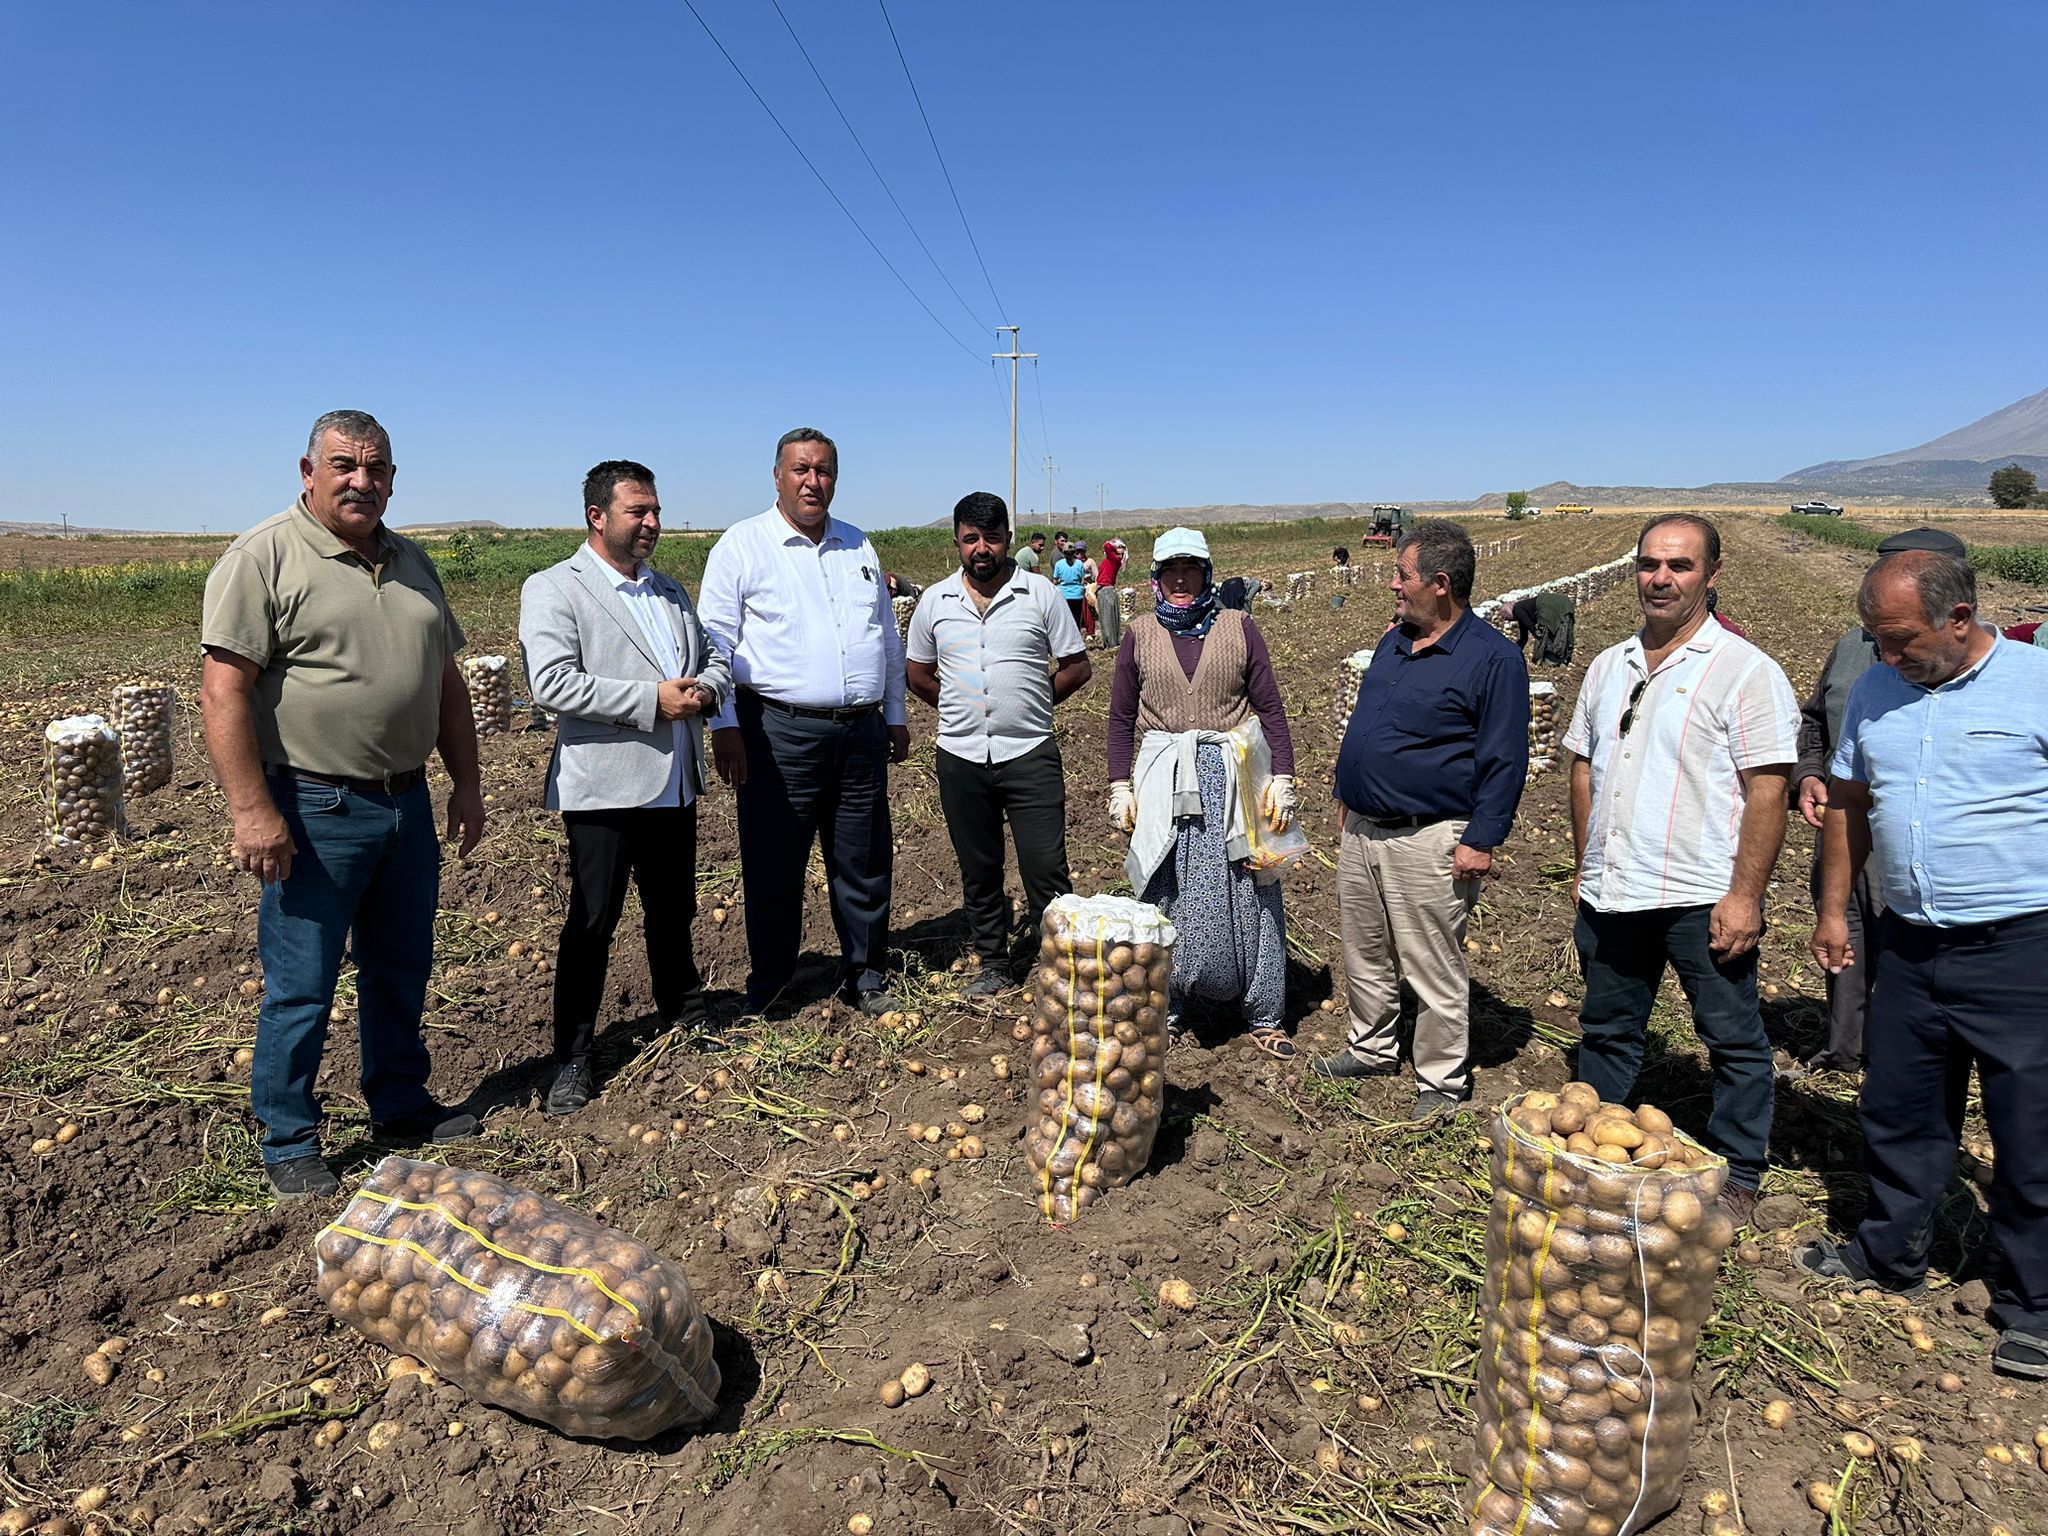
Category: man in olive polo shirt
[329,675]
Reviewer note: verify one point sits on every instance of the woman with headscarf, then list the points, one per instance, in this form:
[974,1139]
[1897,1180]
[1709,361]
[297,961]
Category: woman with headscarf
[1187,673]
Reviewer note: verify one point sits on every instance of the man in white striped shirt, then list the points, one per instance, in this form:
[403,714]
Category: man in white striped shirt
[1679,750]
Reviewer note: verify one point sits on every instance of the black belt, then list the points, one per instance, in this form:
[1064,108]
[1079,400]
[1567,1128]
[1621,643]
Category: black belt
[1401,823]
[390,784]
[2024,925]
[843,713]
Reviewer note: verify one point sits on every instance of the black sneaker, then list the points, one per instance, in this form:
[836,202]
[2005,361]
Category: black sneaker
[1434,1104]
[1839,1263]
[874,1003]
[570,1090]
[298,1177]
[694,1015]
[1345,1065]
[431,1122]
[989,981]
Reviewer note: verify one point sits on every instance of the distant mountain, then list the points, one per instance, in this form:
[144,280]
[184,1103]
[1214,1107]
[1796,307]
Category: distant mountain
[1958,463]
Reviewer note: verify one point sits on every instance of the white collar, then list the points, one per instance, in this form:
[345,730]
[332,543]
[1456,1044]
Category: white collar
[641,579]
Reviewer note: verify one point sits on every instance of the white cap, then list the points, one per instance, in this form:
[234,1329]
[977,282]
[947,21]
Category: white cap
[1180,544]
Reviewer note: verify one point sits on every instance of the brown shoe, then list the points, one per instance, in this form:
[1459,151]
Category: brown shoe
[1738,1200]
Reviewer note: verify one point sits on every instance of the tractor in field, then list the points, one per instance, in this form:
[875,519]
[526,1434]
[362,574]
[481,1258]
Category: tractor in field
[1388,524]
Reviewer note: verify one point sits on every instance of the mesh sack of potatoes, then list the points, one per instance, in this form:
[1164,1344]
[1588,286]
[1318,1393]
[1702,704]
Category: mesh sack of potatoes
[1098,1047]
[1350,677]
[904,608]
[1602,1248]
[1542,726]
[520,1301]
[1127,603]
[142,714]
[490,693]
[82,780]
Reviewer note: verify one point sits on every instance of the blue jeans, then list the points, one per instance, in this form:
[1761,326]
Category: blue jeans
[1623,955]
[367,866]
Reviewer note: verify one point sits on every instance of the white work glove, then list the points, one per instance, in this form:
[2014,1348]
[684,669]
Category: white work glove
[1123,806]
[1278,803]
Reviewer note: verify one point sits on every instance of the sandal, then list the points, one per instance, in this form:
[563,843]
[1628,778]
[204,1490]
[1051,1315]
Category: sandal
[1274,1042]
[2021,1352]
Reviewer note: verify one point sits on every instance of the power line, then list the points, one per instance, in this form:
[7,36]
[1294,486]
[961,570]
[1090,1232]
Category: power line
[884,4]
[800,48]
[828,185]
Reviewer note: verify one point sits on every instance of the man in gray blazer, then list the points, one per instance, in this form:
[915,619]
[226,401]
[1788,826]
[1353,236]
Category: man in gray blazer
[614,648]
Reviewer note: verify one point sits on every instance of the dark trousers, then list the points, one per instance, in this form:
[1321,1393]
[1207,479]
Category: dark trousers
[1947,997]
[656,848]
[1623,955]
[814,780]
[1032,792]
[1849,990]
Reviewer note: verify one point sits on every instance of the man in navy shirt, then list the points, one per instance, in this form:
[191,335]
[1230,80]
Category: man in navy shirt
[1430,774]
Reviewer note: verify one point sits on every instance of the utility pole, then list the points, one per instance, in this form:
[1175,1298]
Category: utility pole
[1048,488]
[1015,357]
[1098,506]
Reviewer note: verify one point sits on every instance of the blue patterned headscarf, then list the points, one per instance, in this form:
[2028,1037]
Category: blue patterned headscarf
[1193,620]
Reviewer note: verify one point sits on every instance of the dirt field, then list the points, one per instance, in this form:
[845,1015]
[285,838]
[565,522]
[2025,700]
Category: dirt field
[1320,1384]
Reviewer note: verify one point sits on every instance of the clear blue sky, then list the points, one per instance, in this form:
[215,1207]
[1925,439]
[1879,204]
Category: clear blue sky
[1269,253]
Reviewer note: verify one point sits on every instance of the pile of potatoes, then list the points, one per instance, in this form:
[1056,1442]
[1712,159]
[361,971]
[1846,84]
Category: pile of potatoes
[1602,1248]
[1542,725]
[82,763]
[1098,1047]
[490,694]
[142,714]
[520,1301]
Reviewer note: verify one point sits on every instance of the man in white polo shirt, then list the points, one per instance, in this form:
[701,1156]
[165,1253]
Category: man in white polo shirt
[1679,750]
[799,602]
[980,645]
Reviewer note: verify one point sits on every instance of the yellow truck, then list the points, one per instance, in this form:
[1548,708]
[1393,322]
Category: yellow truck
[1570,509]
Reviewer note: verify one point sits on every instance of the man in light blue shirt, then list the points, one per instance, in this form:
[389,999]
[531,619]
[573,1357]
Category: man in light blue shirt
[799,601]
[1941,778]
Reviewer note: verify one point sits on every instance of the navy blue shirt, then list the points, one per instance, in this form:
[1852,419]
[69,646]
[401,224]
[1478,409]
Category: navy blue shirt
[1441,732]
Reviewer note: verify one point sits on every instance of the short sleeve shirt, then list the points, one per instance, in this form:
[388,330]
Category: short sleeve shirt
[1667,797]
[995,689]
[1958,779]
[350,654]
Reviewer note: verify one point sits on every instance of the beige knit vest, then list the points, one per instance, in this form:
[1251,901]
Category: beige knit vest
[1216,698]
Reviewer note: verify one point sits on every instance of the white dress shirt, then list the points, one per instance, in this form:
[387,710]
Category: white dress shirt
[650,611]
[1667,797]
[995,693]
[807,624]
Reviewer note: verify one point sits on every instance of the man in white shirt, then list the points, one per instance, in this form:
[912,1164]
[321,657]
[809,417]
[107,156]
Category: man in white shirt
[614,648]
[799,601]
[1679,750]
[995,648]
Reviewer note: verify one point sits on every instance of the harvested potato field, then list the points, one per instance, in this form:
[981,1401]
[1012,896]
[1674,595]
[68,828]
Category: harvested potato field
[1275,1327]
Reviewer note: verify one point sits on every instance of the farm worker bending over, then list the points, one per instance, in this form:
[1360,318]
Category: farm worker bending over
[1186,673]
[796,598]
[980,644]
[1429,776]
[1940,780]
[1820,729]
[615,649]
[329,675]
[1678,751]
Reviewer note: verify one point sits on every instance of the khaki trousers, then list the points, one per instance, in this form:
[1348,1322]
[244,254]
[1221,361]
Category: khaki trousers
[1402,918]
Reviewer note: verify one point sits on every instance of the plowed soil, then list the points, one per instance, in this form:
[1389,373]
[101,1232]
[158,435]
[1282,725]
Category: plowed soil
[1320,1382]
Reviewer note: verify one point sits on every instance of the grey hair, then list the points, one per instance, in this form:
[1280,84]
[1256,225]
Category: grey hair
[804,435]
[359,426]
[1443,546]
[1942,582]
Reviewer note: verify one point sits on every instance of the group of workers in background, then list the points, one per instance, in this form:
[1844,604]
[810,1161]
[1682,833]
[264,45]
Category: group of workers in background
[1922,757]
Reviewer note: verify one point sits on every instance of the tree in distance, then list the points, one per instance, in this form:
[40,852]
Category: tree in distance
[1518,505]
[2012,486]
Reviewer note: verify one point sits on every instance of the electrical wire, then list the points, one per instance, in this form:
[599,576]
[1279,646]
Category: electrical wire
[971,241]
[886,188]
[749,84]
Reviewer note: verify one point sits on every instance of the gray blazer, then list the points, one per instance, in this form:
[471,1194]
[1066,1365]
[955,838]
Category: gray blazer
[588,661]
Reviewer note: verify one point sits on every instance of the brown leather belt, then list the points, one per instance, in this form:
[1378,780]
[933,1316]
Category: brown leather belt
[390,784]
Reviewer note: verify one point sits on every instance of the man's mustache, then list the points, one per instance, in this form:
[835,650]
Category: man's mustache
[357,498]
